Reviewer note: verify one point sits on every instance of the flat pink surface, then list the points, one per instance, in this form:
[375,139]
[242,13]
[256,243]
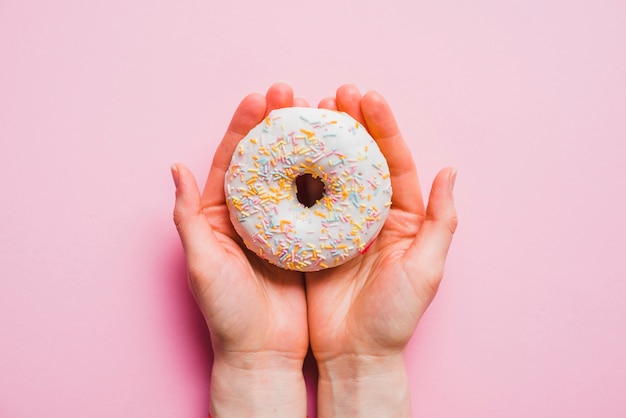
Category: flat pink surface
[526,98]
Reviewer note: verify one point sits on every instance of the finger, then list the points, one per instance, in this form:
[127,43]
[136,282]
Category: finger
[349,101]
[278,96]
[300,102]
[381,124]
[193,228]
[328,103]
[249,113]
[427,254]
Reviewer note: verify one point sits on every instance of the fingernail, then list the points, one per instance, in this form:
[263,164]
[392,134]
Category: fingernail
[452,179]
[174,170]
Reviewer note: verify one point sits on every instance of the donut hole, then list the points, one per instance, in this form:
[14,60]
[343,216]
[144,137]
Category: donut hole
[309,189]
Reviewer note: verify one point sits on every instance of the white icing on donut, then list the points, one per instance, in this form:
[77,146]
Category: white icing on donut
[261,189]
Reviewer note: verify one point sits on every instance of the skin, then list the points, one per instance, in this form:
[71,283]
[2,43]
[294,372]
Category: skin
[256,312]
[357,318]
[363,313]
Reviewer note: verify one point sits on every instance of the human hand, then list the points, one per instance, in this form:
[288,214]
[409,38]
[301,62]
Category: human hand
[363,313]
[256,312]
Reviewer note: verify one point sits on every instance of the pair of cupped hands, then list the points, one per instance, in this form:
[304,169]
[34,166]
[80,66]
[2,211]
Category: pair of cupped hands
[356,318]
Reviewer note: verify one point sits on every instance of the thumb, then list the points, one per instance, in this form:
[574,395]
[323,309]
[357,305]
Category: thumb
[427,254]
[193,228]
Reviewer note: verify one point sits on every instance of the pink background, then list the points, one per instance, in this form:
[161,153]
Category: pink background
[526,98]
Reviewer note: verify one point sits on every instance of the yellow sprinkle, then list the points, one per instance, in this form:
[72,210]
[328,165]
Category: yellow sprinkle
[268,121]
[320,214]
[253,140]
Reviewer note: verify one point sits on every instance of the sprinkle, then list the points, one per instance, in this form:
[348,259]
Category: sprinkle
[309,134]
[284,225]
[320,214]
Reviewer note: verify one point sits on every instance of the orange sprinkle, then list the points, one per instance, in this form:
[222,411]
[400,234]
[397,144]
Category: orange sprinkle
[320,214]
[307,133]
[283,223]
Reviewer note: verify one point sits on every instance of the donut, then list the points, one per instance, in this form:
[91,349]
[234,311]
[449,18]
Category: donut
[261,189]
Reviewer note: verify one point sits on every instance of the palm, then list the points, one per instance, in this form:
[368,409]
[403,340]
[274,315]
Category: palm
[367,300]
[371,304]
[249,305]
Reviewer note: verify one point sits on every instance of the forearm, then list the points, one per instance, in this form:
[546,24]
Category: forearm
[358,386]
[257,390]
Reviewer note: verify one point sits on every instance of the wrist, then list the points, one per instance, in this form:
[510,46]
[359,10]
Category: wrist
[363,386]
[257,385]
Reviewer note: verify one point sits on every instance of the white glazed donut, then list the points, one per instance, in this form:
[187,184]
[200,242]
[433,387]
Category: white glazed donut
[261,191]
